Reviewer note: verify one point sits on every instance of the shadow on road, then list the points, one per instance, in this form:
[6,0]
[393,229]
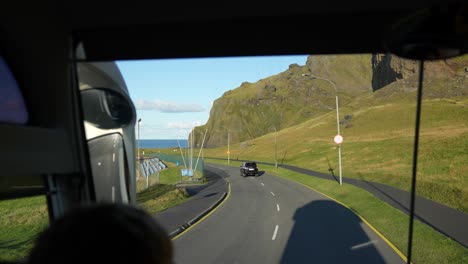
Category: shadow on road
[211,194]
[326,232]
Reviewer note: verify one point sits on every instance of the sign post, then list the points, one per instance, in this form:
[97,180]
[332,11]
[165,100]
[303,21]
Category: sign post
[338,140]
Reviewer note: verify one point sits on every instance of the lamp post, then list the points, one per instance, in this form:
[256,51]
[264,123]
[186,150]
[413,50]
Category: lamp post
[276,149]
[139,121]
[190,142]
[337,118]
[228,148]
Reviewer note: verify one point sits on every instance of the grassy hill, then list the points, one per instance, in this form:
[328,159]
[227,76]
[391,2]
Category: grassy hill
[285,99]
[379,136]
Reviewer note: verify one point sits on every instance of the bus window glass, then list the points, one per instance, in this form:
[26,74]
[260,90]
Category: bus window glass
[12,106]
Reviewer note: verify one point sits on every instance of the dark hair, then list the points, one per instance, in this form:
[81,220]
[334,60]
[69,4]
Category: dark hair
[103,233]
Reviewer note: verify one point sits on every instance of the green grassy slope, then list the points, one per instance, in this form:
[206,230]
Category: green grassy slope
[286,99]
[379,151]
[379,137]
[378,145]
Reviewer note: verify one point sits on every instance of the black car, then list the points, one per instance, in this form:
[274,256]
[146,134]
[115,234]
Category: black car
[248,168]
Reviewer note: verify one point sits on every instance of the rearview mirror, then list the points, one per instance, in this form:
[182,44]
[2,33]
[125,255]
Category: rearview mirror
[106,108]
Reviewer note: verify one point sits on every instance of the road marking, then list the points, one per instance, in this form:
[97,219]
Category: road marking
[277,207]
[272,193]
[274,233]
[113,194]
[113,157]
[262,184]
[363,245]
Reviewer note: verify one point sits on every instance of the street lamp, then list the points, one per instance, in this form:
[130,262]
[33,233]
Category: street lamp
[191,142]
[228,151]
[139,120]
[276,149]
[337,117]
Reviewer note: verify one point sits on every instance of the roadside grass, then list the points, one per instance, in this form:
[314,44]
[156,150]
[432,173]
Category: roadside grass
[378,146]
[21,221]
[429,246]
[166,176]
[170,175]
[160,197]
[141,183]
[163,194]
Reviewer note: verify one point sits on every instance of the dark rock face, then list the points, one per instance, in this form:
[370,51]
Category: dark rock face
[387,68]
[294,65]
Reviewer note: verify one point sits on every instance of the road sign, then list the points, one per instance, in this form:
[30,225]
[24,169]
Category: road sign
[186,172]
[228,152]
[338,139]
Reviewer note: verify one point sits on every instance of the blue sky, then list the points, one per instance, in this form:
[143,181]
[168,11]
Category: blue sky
[172,96]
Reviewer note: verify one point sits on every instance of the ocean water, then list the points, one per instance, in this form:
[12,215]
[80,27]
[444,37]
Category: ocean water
[162,143]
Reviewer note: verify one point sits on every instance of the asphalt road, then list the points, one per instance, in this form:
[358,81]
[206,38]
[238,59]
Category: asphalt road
[201,198]
[271,220]
[442,218]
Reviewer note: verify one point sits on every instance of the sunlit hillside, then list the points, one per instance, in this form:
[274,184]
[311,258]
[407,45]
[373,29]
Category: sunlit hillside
[378,131]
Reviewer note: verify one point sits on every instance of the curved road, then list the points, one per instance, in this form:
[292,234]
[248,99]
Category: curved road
[267,219]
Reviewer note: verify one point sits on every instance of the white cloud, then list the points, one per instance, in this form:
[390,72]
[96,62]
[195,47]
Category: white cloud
[167,107]
[183,125]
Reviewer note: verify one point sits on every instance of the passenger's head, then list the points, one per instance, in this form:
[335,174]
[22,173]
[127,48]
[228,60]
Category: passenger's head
[106,233]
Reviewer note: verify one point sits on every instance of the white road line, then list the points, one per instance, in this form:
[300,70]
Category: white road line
[262,184]
[113,157]
[277,207]
[272,193]
[113,194]
[363,245]
[274,233]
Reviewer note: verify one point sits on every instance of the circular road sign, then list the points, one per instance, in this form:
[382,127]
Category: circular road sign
[338,139]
